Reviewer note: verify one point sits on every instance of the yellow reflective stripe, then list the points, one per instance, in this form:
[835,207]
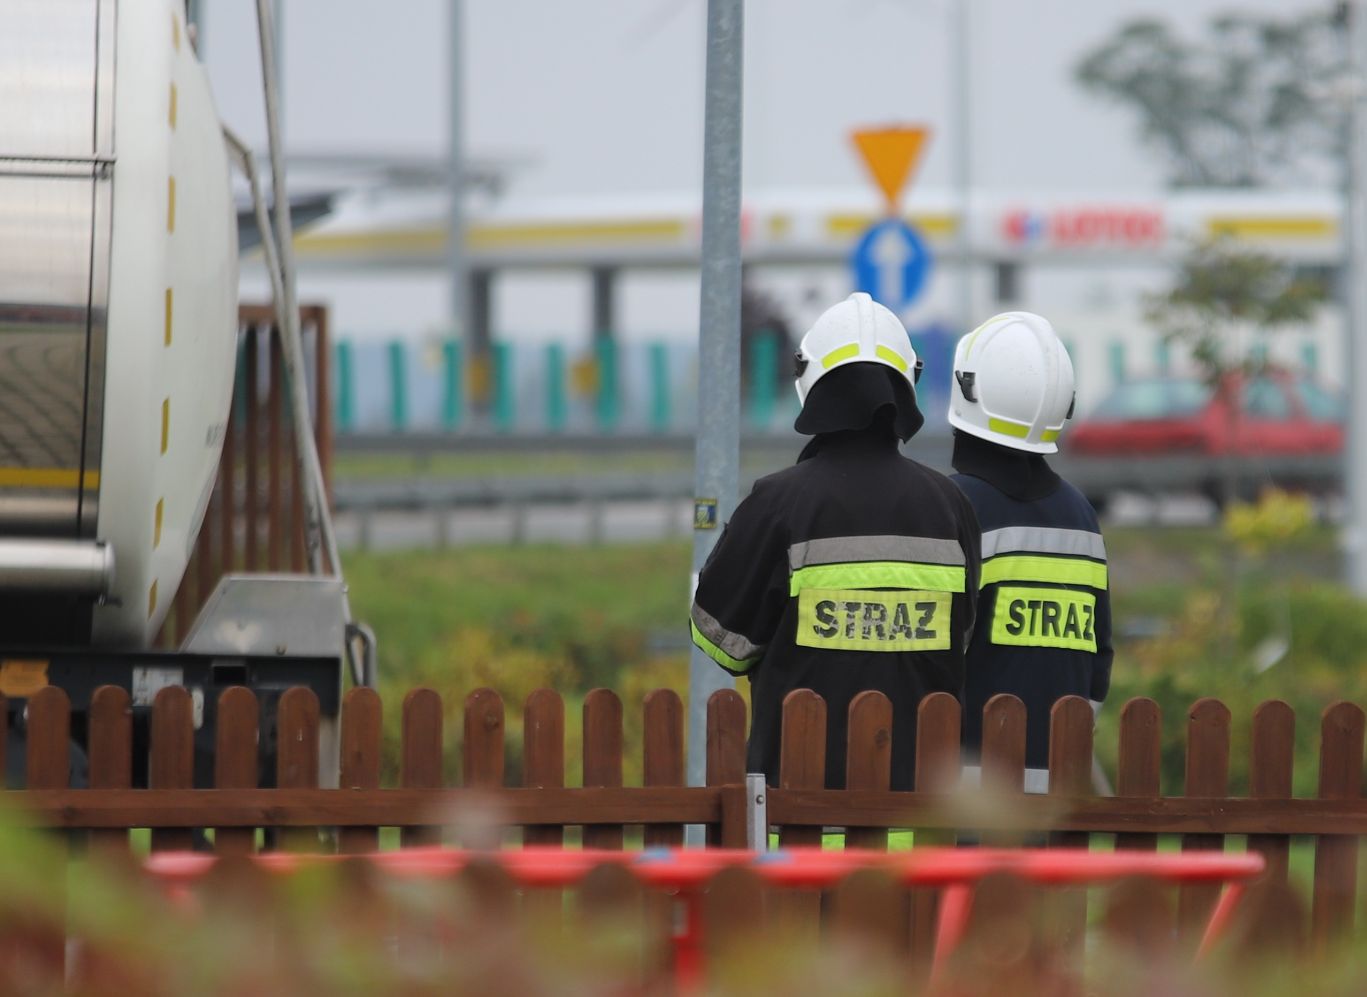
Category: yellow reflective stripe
[888,355]
[1058,570]
[47,477]
[1050,435]
[1008,428]
[716,653]
[835,356]
[878,575]
[1042,617]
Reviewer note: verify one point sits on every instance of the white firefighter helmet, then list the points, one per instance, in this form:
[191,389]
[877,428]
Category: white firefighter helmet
[857,330]
[1013,383]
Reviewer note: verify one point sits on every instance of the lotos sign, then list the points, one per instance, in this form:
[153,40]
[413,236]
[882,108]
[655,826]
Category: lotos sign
[1083,228]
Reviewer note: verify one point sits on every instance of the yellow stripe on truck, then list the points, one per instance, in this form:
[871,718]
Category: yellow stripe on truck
[47,477]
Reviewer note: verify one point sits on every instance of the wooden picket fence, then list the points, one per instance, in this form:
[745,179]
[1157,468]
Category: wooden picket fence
[255,518]
[427,809]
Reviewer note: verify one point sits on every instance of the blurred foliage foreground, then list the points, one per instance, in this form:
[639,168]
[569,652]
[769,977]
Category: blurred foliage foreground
[1245,612]
[346,928]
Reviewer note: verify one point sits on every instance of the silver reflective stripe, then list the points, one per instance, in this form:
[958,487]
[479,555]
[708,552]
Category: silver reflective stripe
[1043,540]
[736,645]
[844,550]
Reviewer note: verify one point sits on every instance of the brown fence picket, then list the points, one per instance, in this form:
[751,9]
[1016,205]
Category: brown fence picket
[802,765]
[868,758]
[482,754]
[227,486]
[802,755]
[1273,749]
[938,757]
[726,718]
[543,755]
[275,408]
[1070,777]
[1207,775]
[172,763]
[48,765]
[1341,738]
[1141,762]
[251,500]
[734,914]
[543,766]
[937,743]
[109,745]
[663,760]
[297,761]
[362,733]
[602,758]
[1003,755]
[869,910]
[481,766]
[1070,755]
[236,765]
[1003,752]
[421,749]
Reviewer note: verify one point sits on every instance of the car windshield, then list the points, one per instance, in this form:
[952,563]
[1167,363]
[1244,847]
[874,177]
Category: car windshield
[1157,398]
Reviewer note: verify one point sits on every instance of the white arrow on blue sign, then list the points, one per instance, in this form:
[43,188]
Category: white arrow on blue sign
[891,262]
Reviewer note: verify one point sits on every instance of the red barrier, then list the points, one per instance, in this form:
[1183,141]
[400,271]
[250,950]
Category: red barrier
[687,872]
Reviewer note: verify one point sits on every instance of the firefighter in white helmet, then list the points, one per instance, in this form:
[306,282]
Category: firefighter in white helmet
[1044,629]
[856,568]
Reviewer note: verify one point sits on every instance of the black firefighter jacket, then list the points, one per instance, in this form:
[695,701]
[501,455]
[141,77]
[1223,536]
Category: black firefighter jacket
[1044,629]
[855,569]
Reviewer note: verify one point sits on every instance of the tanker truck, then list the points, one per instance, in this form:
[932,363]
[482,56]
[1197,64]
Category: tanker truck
[118,333]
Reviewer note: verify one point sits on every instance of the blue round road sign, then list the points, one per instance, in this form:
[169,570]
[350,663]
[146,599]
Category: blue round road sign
[891,263]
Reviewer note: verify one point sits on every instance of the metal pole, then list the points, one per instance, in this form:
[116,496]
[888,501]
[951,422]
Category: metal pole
[718,444]
[1355,300]
[963,157]
[319,536]
[278,64]
[455,249]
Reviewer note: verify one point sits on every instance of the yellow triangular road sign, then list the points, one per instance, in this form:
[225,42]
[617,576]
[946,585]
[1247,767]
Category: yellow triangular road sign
[891,154]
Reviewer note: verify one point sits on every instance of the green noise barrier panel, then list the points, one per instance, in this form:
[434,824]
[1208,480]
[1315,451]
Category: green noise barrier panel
[398,386]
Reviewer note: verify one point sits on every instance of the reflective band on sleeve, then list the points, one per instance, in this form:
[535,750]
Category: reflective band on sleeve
[878,575]
[1043,540]
[716,653]
[1007,428]
[1045,617]
[841,550]
[843,353]
[1058,570]
[855,620]
[889,356]
[735,645]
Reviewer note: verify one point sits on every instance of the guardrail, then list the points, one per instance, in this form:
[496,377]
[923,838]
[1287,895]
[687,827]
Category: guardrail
[437,496]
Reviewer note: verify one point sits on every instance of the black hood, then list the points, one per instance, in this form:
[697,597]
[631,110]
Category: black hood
[1023,476]
[851,397]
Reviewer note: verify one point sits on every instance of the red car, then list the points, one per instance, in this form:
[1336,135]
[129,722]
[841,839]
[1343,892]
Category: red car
[1281,414]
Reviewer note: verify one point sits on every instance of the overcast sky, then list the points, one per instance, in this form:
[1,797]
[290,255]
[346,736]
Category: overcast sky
[602,96]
